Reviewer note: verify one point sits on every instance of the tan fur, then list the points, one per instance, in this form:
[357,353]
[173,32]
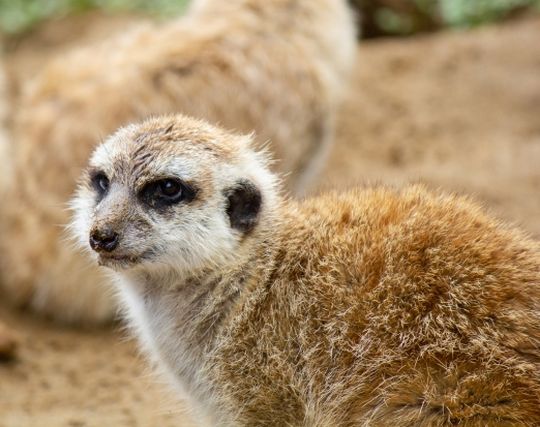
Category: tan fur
[276,67]
[375,307]
[8,343]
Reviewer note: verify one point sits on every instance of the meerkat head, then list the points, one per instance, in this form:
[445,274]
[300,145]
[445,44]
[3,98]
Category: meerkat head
[172,193]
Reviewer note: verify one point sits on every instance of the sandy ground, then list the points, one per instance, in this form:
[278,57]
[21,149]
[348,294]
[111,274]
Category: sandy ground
[459,111]
[64,377]
[455,110]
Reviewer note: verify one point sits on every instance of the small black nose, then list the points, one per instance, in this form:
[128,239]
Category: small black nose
[104,240]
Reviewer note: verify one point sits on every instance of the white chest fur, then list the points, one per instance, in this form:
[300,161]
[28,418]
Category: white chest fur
[164,322]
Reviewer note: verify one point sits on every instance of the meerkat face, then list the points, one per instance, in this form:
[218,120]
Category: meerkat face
[170,193]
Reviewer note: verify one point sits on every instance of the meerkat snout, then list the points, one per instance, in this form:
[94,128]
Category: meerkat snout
[104,239]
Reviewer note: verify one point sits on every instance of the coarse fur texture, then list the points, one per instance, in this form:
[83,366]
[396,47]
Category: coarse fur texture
[276,67]
[375,307]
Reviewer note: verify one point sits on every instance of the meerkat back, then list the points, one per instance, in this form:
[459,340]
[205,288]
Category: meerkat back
[390,308]
[276,67]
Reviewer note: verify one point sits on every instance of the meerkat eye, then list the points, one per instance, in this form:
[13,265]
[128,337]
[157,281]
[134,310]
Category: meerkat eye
[169,188]
[166,192]
[101,183]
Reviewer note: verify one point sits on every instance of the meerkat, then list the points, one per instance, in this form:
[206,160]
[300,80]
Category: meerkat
[276,67]
[375,307]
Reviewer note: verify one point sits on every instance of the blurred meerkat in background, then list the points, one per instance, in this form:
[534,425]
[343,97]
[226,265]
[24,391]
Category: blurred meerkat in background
[274,67]
[373,307]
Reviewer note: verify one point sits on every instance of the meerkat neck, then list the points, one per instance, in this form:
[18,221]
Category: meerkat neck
[193,306]
[179,318]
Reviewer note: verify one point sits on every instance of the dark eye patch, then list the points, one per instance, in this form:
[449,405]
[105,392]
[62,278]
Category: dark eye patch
[100,183]
[167,192]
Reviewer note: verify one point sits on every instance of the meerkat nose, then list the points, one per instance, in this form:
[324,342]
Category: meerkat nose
[104,240]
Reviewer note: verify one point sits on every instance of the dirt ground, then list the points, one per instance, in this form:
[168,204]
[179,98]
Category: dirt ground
[459,111]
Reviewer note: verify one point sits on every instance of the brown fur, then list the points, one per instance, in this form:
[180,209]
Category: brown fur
[276,67]
[375,307]
[389,308]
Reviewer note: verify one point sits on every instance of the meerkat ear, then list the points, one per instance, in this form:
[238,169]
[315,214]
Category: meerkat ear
[244,203]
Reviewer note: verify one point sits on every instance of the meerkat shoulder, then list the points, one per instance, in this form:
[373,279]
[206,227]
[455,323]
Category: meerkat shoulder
[380,298]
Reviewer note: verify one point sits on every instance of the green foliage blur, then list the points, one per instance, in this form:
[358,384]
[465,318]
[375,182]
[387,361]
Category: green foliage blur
[379,17]
[402,17]
[17,16]
[471,12]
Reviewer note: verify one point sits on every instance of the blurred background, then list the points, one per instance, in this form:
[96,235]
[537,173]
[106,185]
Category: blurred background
[379,17]
[446,92]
